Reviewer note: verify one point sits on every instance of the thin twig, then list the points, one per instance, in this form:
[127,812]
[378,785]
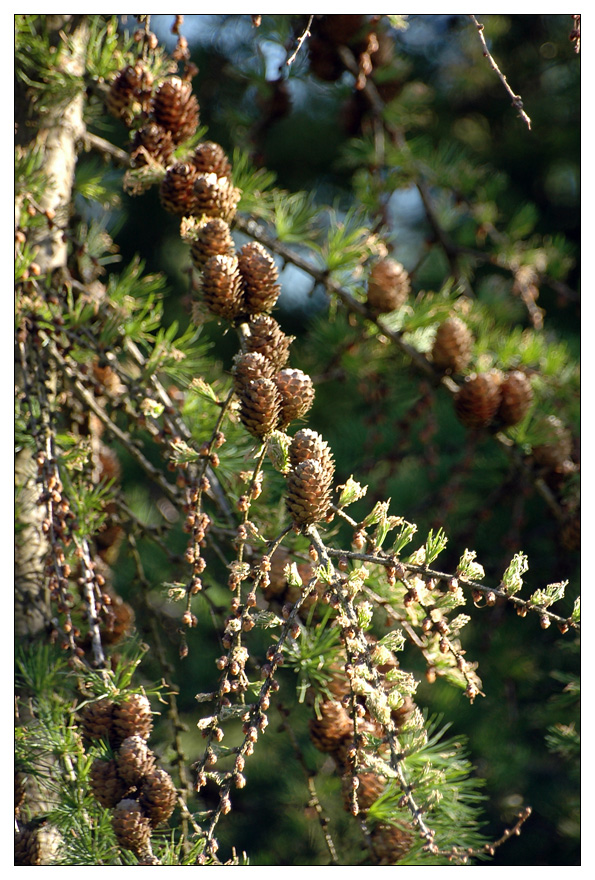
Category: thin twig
[516,99]
[300,41]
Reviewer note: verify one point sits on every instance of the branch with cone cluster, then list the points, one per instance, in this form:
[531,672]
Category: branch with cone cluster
[365,715]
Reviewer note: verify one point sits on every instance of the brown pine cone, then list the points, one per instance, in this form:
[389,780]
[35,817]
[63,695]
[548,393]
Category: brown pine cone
[222,287]
[555,453]
[267,338]
[107,786]
[132,717]
[176,108]
[477,400]
[132,85]
[260,407]
[250,366]
[297,395]
[131,827]
[452,347]
[97,719]
[390,843]
[210,158]
[134,760]
[331,727]
[153,140]
[516,398]
[215,196]
[27,849]
[308,493]
[213,239]
[388,286]
[259,276]
[158,796]
[177,189]
[307,444]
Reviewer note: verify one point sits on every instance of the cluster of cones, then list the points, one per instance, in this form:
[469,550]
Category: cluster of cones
[162,115]
[129,781]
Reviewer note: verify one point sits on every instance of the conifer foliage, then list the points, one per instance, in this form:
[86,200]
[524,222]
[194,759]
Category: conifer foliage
[233,622]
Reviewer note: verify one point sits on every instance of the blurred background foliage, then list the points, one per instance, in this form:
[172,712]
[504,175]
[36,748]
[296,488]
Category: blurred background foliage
[498,190]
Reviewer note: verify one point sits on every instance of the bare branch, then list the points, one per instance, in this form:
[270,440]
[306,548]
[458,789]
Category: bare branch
[516,99]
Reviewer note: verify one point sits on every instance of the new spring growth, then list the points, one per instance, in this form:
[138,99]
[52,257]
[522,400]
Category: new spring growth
[512,579]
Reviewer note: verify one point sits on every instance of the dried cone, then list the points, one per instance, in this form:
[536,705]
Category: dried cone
[250,366]
[516,398]
[154,141]
[132,85]
[177,189]
[390,843]
[158,796]
[260,407]
[555,453]
[176,109]
[222,287]
[297,394]
[97,719]
[267,338]
[210,158]
[478,398]
[131,827]
[388,286]
[332,726]
[134,760]
[213,239]
[308,493]
[106,784]
[307,444]
[132,717]
[452,347]
[259,275]
[215,196]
